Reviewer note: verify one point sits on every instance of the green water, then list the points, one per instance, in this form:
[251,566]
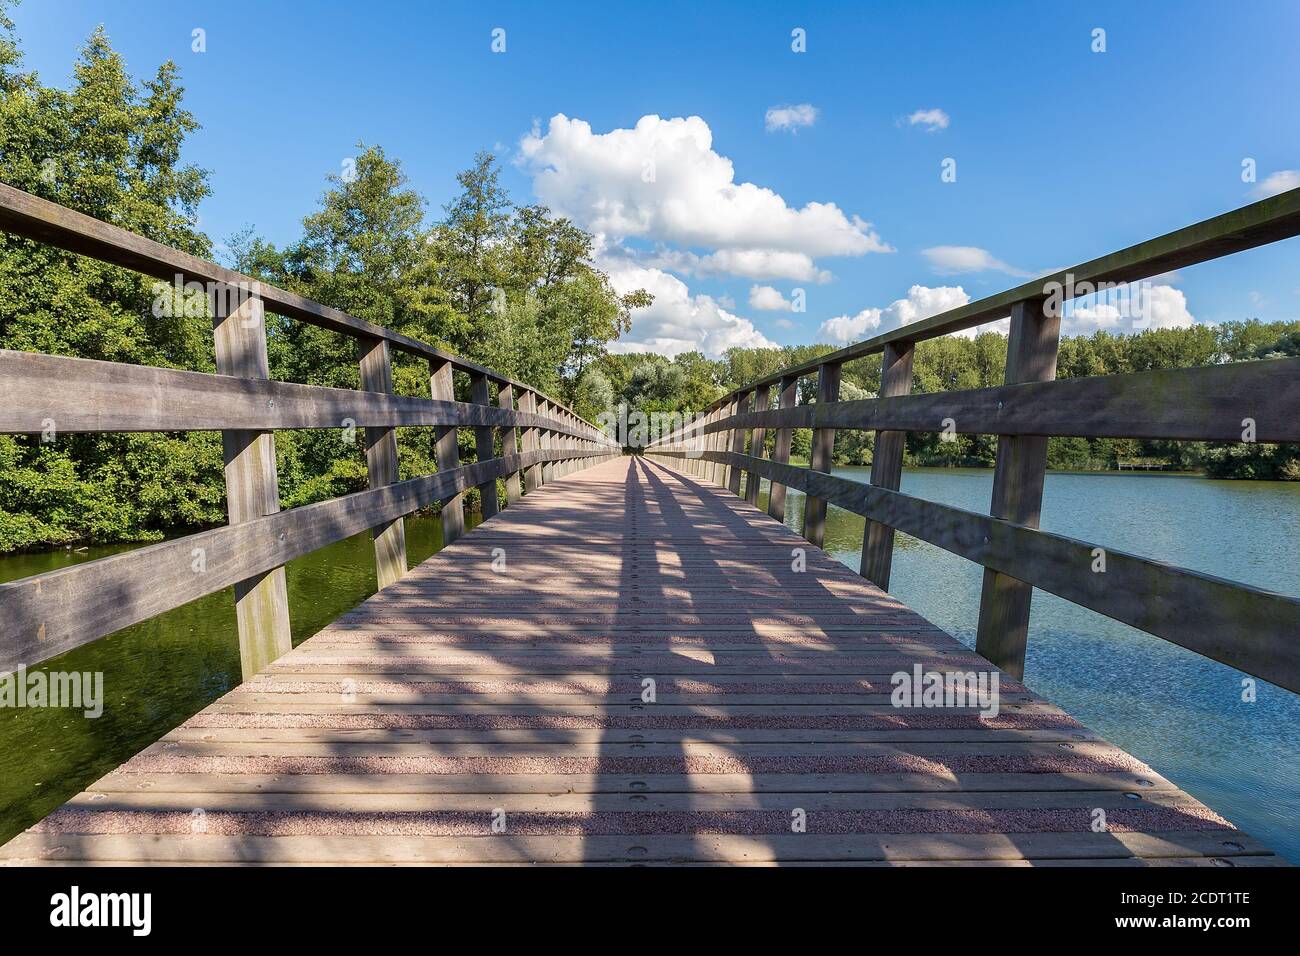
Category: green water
[159,673]
[1177,711]
[1181,713]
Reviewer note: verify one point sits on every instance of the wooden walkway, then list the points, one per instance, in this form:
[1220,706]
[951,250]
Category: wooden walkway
[493,707]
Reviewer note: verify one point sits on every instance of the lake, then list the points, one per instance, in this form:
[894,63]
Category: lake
[1182,714]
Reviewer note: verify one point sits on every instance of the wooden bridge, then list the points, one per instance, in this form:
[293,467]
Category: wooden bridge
[629,662]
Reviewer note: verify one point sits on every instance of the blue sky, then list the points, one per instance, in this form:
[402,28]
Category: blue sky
[1061,153]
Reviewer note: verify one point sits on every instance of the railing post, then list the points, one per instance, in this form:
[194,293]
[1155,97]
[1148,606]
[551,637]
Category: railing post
[823,453]
[381,462]
[757,439]
[738,441]
[887,464]
[1018,487]
[509,443]
[788,397]
[484,449]
[252,485]
[446,451]
[545,442]
[717,442]
[533,473]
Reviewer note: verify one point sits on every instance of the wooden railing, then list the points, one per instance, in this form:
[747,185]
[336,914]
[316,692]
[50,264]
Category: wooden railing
[48,614]
[1254,630]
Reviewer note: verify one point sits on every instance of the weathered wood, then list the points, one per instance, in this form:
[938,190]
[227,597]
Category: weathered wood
[382,463]
[743,401]
[823,452]
[545,441]
[533,474]
[252,488]
[1018,487]
[787,397]
[1207,403]
[447,450]
[484,443]
[1260,223]
[509,442]
[757,442]
[115,397]
[350,751]
[887,465]
[49,614]
[34,218]
[1245,627]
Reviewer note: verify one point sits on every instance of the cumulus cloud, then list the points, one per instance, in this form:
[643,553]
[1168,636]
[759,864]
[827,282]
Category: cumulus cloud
[678,321]
[1131,308]
[1279,182]
[955,260]
[767,299]
[930,120]
[745,263]
[663,181]
[790,118]
[921,302]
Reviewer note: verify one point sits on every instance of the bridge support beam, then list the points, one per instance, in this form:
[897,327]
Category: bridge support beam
[787,397]
[1018,487]
[446,451]
[484,444]
[381,462]
[887,464]
[533,473]
[252,484]
[757,441]
[738,441]
[823,452]
[509,443]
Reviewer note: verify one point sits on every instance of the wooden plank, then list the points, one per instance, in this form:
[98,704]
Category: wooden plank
[447,451]
[116,397]
[1205,403]
[738,442]
[823,453]
[531,443]
[757,442]
[787,398]
[1260,223]
[43,221]
[382,463]
[484,443]
[887,465]
[48,614]
[1018,487]
[509,442]
[1245,627]
[252,489]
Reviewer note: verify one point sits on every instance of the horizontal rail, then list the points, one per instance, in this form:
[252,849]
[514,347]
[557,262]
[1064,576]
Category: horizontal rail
[1260,223]
[1251,629]
[48,614]
[1207,403]
[113,397]
[31,217]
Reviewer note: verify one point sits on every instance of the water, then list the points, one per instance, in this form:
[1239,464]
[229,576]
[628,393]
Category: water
[1179,712]
[160,673]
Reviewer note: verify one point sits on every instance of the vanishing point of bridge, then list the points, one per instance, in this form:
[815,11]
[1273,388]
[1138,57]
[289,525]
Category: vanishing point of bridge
[630,662]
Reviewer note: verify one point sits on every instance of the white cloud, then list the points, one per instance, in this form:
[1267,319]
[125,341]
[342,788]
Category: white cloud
[1278,182]
[662,181]
[921,302]
[790,118]
[677,321]
[1131,308]
[932,120]
[954,260]
[745,263]
[767,299]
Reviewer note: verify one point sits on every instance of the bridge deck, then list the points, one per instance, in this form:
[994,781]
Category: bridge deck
[469,699]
